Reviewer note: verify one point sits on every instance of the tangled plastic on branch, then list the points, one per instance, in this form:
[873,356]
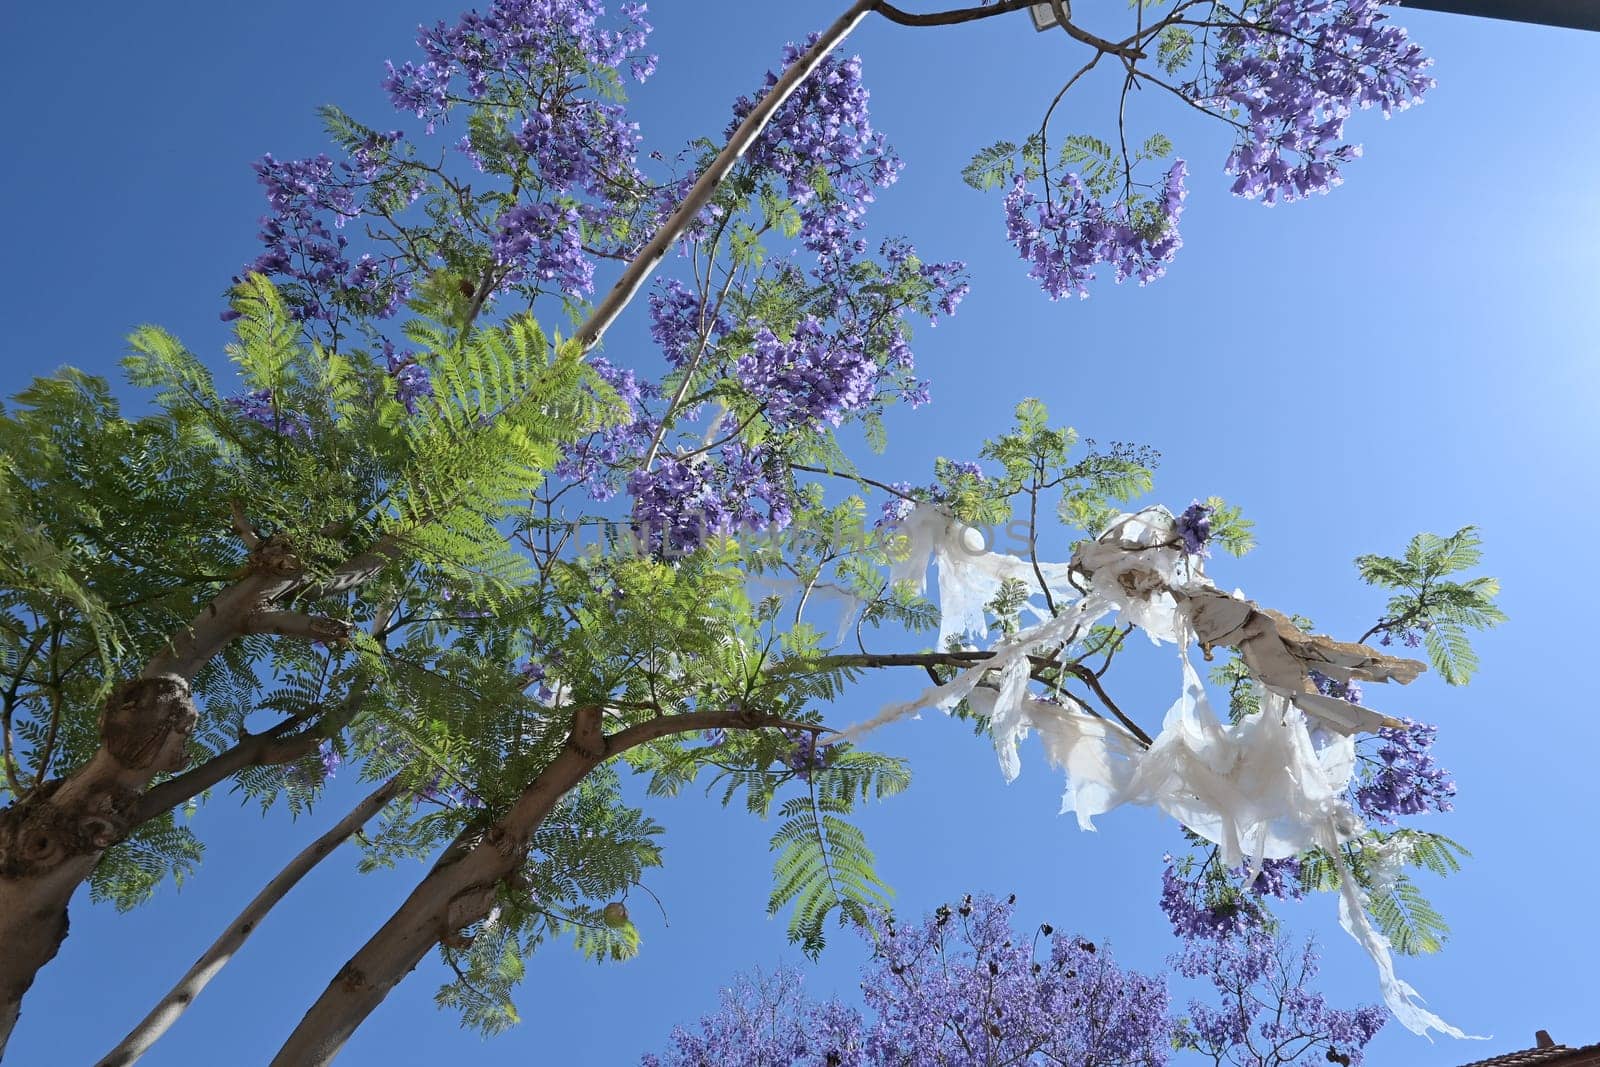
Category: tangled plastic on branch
[1267,788]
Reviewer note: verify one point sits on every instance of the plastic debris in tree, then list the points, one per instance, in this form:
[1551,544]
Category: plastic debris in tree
[1268,787]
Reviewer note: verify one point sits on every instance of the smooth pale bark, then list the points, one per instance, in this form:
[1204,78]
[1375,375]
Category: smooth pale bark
[51,839]
[213,959]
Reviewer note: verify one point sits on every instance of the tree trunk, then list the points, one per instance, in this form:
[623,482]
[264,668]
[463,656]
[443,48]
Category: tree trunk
[51,841]
[460,890]
[213,959]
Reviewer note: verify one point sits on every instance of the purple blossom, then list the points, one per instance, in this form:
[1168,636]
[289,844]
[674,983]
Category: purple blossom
[544,242]
[684,500]
[1349,689]
[677,320]
[809,379]
[329,757]
[451,795]
[1294,75]
[1207,909]
[822,129]
[1409,636]
[305,196]
[965,978]
[961,987]
[516,38]
[1277,878]
[803,756]
[260,406]
[1406,780]
[411,380]
[1065,239]
[896,508]
[545,61]
[1265,1000]
[765,1021]
[1194,527]
[600,460]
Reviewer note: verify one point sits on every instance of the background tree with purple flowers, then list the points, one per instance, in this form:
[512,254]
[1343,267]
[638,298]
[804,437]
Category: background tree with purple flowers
[431,536]
[965,986]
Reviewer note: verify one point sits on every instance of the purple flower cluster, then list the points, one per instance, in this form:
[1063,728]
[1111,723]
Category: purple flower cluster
[896,508]
[329,757]
[679,319]
[964,986]
[532,676]
[1295,73]
[809,379]
[597,460]
[1194,527]
[544,241]
[768,1020]
[1347,690]
[803,756]
[1409,636]
[1064,239]
[411,380]
[1202,909]
[305,195]
[822,149]
[451,794]
[260,407]
[1265,998]
[1300,1024]
[682,501]
[1277,878]
[516,38]
[304,776]
[1407,781]
[550,61]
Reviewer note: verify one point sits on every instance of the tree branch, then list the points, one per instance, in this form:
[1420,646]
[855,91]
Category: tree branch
[213,959]
[276,746]
[954,17]
[678,223]
[295,624]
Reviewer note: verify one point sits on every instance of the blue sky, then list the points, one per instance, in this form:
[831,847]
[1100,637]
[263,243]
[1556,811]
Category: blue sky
[1414,351]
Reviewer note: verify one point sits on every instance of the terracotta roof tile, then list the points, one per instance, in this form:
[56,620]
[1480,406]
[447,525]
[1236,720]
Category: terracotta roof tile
[1554,1056]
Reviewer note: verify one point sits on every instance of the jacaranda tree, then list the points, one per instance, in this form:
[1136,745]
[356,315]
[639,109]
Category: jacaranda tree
[964,986]
[426,533]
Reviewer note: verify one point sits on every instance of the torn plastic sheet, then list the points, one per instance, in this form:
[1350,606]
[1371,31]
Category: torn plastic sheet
[1400,996]
[1013,653]
[969,574]
[1268,787]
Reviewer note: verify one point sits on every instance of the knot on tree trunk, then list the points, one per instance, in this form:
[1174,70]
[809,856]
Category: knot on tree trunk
[39,834]
[467,907]
[274,555]
[146,723]
[352,978]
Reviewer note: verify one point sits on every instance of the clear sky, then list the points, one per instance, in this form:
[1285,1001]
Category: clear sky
[1414,351]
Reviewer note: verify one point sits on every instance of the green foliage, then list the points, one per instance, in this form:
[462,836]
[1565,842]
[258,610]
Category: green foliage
[992,167]
[823,863]
[1244,694]
[129,872]
[1396,904]
[590,851]
[1229,527]
[1174,49]
[1443,610]
[1094,160]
